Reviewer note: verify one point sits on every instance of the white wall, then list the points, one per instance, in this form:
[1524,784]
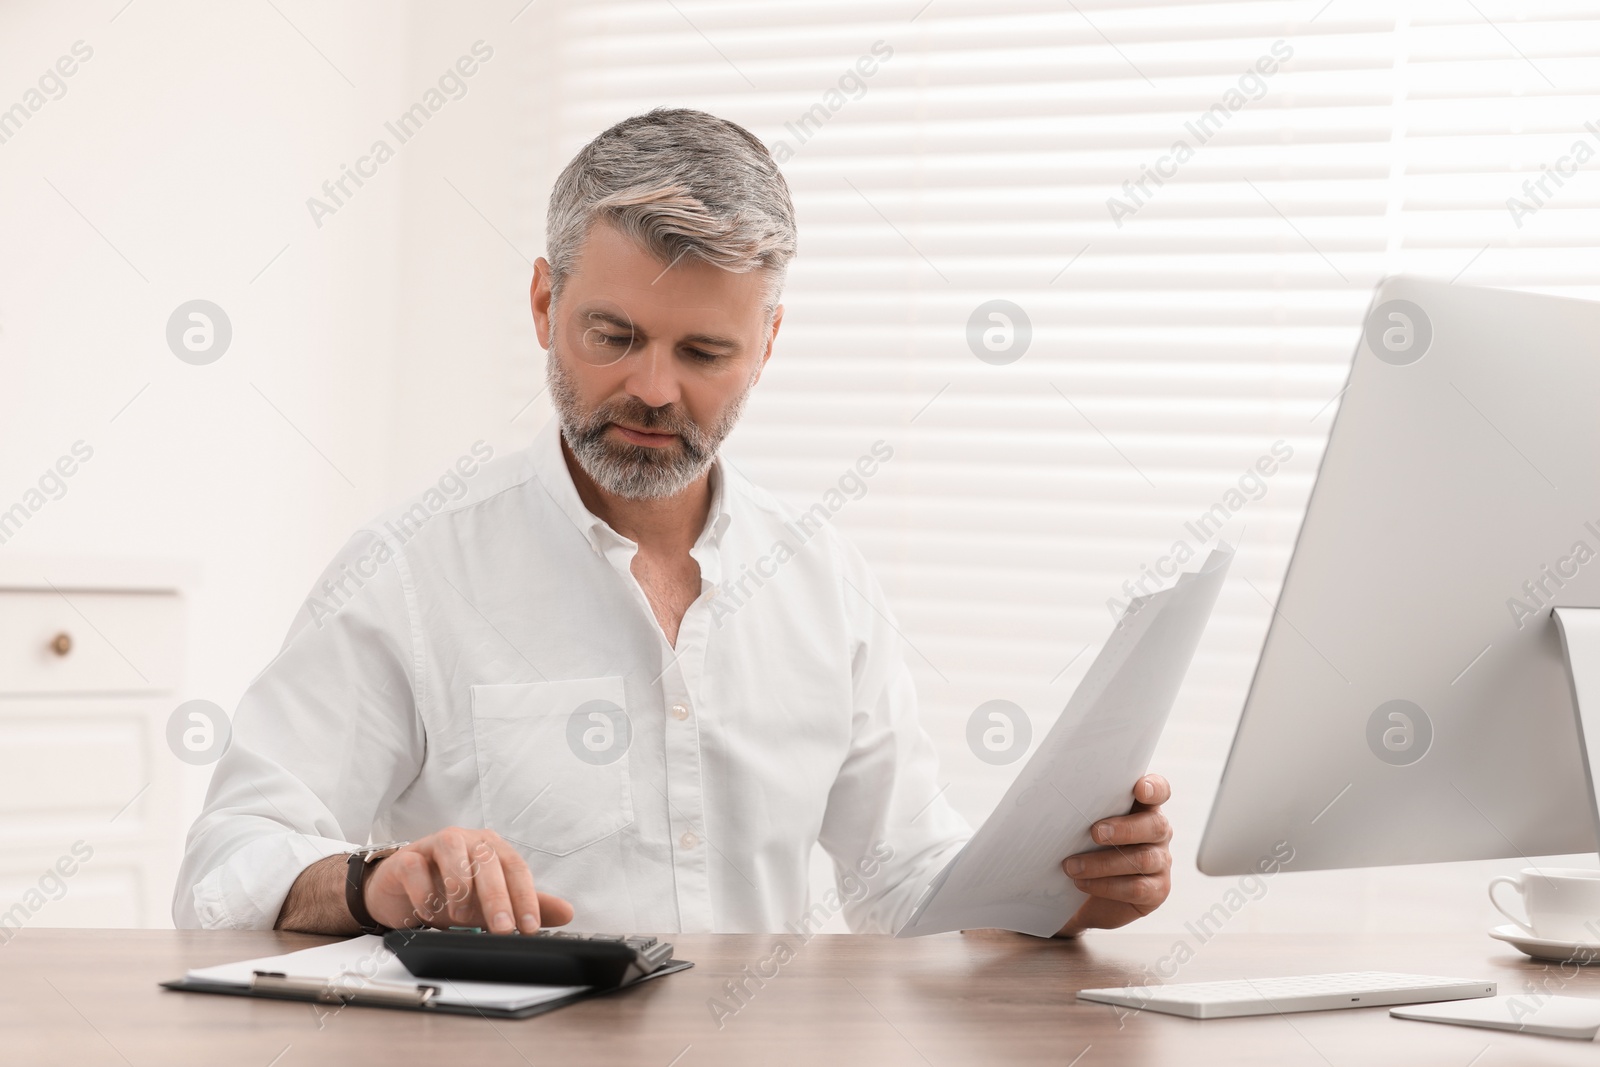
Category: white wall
[187,146]
[389,338]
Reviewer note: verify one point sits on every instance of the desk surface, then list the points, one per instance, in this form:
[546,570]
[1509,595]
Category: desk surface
[89,997]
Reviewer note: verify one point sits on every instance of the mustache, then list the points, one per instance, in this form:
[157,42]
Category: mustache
[668,418]
[631,411]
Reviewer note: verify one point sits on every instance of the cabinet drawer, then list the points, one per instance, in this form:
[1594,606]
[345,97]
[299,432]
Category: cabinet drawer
[95,770]
[73,767]
[79,641]
[90,887]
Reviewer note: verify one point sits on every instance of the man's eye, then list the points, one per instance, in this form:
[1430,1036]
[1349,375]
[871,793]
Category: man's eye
[616,340]
[700,356]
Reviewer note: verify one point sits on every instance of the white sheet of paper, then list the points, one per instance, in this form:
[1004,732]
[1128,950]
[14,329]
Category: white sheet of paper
[1009,876]
[367,957]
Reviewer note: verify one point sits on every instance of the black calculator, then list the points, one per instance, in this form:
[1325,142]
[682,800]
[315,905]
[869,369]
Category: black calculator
[547,957]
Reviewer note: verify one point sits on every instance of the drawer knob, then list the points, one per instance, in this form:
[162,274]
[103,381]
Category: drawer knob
[61,644]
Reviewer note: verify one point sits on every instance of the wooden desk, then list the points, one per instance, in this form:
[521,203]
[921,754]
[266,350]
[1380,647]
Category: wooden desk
[86,997]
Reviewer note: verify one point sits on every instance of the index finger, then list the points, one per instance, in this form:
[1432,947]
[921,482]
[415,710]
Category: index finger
[519,884]
[1151,791]
[494,899]
[449,856]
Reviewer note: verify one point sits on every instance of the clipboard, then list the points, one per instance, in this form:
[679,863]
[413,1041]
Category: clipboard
[276,981]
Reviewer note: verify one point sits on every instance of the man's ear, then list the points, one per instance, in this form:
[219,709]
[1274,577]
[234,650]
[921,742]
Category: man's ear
[772,337]
[539,300]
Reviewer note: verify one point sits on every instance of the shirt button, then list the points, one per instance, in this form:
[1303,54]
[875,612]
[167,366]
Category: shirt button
[688,840]
[680,712]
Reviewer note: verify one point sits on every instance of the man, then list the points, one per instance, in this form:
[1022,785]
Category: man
[539,683]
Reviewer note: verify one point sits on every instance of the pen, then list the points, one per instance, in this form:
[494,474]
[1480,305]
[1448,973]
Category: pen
[345,988]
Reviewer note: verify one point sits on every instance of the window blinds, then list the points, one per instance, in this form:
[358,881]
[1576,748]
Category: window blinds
[1180,208]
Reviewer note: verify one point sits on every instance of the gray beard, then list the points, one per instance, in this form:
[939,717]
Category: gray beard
[636,472]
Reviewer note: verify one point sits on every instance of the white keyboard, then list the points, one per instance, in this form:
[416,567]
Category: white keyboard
[1271,996]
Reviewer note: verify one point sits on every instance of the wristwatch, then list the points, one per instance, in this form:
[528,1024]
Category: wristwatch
[362,860]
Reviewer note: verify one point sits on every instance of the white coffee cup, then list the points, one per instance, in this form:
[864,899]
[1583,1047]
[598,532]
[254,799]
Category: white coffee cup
[1563,903]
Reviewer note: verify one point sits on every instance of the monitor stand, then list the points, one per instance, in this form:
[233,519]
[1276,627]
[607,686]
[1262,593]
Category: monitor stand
[1580,641]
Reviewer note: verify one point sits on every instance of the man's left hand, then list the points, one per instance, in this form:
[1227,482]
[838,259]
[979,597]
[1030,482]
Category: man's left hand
[1132,876]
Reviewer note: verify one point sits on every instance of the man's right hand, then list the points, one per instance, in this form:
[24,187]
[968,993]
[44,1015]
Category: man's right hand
[461,877]
[456,877]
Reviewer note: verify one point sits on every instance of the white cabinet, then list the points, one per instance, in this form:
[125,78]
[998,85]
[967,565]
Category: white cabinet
[91,667]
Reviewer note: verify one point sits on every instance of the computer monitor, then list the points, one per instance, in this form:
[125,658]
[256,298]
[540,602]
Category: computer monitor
[1413,702]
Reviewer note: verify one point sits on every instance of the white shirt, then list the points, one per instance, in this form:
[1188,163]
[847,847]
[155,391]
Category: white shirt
[491,661]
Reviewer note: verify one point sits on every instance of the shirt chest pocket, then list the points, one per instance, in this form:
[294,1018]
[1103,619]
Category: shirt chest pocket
[553,761]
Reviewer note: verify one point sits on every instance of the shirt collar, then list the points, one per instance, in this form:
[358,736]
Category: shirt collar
[551,465]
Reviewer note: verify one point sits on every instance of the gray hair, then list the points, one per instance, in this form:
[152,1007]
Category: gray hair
[681,183]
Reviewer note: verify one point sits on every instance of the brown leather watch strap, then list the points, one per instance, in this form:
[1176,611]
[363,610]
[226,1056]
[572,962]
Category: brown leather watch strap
[356,870]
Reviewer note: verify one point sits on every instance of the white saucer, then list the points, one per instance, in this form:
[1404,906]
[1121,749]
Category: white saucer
[1540,948]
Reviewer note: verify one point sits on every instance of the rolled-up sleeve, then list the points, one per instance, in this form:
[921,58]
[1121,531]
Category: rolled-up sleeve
[326,737]
[888,827]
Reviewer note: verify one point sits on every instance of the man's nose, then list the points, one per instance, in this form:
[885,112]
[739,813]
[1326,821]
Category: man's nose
[653,375]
